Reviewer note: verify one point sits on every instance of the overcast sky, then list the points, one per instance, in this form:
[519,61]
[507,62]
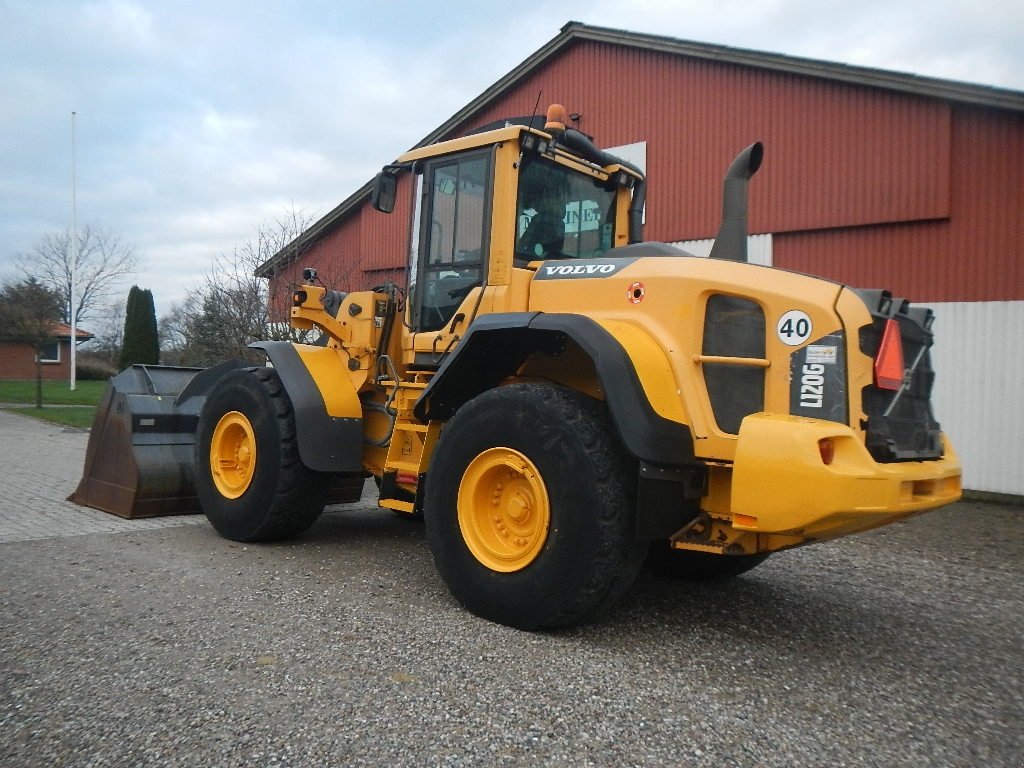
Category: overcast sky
[197,121]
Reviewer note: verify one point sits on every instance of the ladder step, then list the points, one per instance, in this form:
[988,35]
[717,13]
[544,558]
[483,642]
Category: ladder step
[410,426]
[403,466]
[399,506]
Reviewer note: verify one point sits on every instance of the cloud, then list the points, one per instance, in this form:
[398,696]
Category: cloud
[197,121]
[121,25]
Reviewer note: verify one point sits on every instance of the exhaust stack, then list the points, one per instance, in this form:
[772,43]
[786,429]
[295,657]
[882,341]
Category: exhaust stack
[731,241]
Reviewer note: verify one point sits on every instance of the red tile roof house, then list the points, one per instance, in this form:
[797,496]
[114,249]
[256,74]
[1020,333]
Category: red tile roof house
[18,361]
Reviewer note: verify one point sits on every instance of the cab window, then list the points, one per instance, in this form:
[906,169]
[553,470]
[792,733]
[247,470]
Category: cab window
[452,238]
[561,213]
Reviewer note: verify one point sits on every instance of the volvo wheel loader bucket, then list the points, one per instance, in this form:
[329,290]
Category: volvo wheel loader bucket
[139,461]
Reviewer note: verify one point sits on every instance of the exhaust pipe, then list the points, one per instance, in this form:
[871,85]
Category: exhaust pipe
[731,241]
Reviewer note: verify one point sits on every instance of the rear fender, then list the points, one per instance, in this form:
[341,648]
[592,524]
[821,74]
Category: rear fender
[328,415]
[497,345]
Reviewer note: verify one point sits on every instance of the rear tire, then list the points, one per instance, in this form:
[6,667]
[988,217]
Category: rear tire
[529,507]
[691,565]
[251,483]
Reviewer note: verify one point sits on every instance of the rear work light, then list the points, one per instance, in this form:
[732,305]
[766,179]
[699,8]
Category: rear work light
[827,449]
[889,360]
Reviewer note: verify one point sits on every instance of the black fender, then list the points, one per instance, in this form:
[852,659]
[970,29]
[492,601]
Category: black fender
[495,346]
[201,384]
[326,443]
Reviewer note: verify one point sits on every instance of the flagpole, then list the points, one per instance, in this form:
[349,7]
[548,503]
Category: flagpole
[74,259]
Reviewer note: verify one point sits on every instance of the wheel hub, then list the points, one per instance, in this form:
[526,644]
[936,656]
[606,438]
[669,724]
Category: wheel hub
[504,512]
[233,454]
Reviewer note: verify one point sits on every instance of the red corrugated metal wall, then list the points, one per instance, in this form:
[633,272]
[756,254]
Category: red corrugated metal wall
[368,248]
[977,254]
[836,154]
[861,185]
[339,255]
[385,237]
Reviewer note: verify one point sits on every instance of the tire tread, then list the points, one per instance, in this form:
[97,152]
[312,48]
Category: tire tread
[299,493]
[602,570]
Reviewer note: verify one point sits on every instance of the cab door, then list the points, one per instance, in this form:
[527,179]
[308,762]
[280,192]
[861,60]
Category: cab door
[448,262]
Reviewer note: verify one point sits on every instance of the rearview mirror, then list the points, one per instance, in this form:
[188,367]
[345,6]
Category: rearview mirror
[385,188]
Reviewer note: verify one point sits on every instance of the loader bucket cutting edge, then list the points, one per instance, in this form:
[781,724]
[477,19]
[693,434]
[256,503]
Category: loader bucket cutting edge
[139,460]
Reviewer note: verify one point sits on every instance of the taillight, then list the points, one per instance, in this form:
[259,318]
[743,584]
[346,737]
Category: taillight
[889,360]
[827,449]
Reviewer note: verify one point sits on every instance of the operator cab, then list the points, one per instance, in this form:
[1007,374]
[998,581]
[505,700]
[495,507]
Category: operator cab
[493,204]
[561,213]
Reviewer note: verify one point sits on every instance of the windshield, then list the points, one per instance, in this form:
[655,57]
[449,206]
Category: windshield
[562,213]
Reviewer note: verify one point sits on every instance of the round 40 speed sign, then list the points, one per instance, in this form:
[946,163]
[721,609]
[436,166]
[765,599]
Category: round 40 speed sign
[794,327]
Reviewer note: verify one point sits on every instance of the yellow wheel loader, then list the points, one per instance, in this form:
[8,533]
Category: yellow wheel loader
[561,401]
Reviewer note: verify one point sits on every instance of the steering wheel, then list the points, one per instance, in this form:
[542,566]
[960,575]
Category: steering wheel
[545,231]
[462,292]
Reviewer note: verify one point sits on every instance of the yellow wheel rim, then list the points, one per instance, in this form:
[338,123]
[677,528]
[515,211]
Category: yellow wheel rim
[233,454]
[504,511]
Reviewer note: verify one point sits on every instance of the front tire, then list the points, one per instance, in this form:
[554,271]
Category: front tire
[251,483]
[529,507]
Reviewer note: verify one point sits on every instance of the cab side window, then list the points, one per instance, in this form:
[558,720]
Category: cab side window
[453,237]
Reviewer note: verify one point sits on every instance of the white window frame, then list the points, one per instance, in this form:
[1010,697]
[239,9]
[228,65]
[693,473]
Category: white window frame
[42,359]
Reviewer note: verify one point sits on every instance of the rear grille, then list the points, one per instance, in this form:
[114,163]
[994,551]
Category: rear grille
[900,424]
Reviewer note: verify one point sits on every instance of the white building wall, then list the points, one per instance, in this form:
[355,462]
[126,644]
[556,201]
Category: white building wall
[759,248]
[979,390]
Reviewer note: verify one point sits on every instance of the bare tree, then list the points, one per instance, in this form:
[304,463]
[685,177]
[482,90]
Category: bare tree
[102,261]
[175,331]
[108,328]
[230,306]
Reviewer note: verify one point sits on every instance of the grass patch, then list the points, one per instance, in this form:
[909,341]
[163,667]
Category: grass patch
[54,392]
[78,416]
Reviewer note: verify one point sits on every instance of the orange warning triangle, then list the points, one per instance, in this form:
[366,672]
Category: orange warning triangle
[889,361]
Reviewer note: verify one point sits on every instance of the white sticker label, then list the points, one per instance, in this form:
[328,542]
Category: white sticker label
[822,354]
[794,328]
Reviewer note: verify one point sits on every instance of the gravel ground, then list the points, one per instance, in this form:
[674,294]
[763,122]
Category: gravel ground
[173,647]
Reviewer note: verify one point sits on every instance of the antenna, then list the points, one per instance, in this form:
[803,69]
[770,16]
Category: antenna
[536,106]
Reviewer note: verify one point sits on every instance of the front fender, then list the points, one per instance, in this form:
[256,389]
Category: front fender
[328,415]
